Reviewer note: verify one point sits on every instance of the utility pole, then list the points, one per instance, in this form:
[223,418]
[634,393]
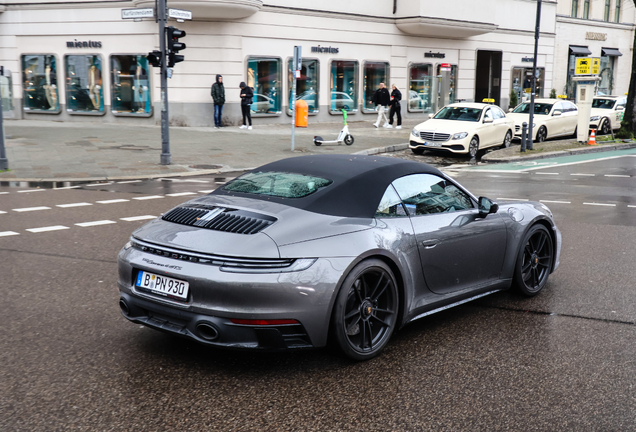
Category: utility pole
[166,157]
[534,73]
[4,163]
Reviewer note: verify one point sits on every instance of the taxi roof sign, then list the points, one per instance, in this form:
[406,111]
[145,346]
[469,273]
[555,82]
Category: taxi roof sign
[487,100]
[562,96]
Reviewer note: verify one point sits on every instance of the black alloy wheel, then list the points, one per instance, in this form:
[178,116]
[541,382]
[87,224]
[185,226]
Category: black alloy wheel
[542,134]
[534,262]
[418,150]
[365,313]
[507,140]
[473,147]
[605,127]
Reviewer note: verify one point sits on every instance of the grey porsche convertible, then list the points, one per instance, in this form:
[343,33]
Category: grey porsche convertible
[329,248]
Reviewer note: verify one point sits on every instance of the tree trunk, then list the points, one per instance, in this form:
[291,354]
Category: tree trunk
[628,125]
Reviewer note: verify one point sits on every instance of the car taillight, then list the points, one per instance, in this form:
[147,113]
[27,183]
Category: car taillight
[259,322]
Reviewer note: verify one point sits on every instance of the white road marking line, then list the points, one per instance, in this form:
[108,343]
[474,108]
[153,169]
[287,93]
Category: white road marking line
[586,175]
[206,191]
[67,187]
[94,223]
[3,193]
[617,175]
[197,181]
[137,218]
[512,199]
[180,194]
[600,204]
[48,228]
[31,190]
[555,202]
[8,233]
[129,181]
[542,173]
[2,212]
[27,209]
[632,206]
[80,204]
[113,201]
[99,184]
[148,197]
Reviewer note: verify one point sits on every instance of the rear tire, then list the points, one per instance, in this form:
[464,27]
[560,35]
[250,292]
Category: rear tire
[542,134]
[473,147]
[534,261]
[605,127]
[507,140]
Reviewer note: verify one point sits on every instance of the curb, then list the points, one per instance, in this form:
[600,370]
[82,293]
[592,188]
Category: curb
[571,152]
[387,149]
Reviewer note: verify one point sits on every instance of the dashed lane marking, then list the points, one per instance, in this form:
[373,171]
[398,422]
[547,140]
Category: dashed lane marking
[28,209]
[555,202]
[113,201]
[80,204]
[581,174]
[48,228]
[99,184]
[197,181]
[2,212]
[600,204]
[67,187]
[3,193]
[542,173]
[95,223]
[129,181]
[617,175]
[31,190]
[137,218]
[180,194]
[8,233]
[632,206]
[148,197]
[206,191]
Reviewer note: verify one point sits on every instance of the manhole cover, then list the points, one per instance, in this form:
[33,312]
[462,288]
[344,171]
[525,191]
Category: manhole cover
[206,167]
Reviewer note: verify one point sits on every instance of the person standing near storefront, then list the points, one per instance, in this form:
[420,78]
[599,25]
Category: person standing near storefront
[396,107]
[247,94]
[381,99]
[218,95]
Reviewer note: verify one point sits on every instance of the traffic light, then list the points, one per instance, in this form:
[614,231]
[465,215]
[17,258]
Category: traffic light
[174,46]
[154,58]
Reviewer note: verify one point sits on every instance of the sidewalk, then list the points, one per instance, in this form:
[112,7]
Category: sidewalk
[56,151]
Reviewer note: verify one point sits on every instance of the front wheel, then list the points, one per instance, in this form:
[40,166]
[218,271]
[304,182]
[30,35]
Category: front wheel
[542,134]
[507,140]
[348,140]
[365,313]
[473,147]
[605,127]
[534,261]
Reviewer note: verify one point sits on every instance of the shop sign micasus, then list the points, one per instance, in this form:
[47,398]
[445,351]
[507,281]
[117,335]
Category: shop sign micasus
[330,50]
[83,44]
[431,54]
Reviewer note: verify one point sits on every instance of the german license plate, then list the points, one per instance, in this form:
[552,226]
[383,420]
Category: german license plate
[162,285]
[432,144]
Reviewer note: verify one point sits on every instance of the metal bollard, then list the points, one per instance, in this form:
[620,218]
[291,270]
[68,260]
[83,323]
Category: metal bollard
[524,136]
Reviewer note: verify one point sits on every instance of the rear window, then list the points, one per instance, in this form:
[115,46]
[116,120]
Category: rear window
[603,103]
[278,184]
[539,108]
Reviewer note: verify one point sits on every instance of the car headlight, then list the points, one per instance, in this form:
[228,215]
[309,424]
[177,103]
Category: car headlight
[415,133]
[460,135]
[595,118]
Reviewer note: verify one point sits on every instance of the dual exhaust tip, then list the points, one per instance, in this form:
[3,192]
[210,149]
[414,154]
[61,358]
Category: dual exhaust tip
[205,330]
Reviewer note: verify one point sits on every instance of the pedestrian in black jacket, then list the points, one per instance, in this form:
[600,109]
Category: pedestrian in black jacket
[396,107]
[381,99]
[218,96]
[247,94]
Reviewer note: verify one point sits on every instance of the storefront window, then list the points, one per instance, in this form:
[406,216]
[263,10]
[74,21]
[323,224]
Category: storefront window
[617,12]
[606,85]
[130,85]
[84,92]
[420,87]
[374,74]
[306,84]
[452,90]
[39,80]
[264,76]
[521,82]
[344,86]
[6,90]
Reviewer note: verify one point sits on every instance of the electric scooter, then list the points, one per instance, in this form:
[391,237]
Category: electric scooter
[343,137]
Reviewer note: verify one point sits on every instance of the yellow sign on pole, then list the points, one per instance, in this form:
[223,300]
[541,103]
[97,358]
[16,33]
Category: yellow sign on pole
[588,66]
[596,65]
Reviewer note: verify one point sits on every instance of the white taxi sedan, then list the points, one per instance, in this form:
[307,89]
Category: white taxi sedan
[463,128]
[607,113]
[552,118]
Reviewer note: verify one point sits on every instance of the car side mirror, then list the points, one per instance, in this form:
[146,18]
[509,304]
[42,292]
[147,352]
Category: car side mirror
[620,108]
[487,120]
[487,206]
[431,115]
[557,113]
[510,109]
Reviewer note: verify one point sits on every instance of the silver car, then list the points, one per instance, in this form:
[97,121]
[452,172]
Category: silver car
[329,247]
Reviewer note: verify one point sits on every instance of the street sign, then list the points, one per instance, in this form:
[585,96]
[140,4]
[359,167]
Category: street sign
[588,66]
[137,13]
[180,14]
[298,58]
[445,67]
[596,65]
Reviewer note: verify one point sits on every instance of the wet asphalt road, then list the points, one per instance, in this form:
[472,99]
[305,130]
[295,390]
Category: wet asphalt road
[561,361]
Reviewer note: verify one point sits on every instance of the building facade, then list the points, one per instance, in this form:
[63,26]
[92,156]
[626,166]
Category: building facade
[75,60]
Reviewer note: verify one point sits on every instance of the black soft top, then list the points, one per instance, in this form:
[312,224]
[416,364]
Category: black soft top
[358,182]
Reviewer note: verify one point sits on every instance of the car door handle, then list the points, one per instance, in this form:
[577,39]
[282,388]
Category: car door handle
[430,244]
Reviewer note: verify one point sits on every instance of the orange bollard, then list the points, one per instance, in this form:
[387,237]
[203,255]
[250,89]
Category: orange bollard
[302,113]
[592,140]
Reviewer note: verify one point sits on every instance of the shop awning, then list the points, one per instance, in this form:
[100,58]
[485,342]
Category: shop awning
[611,52]
[580,50]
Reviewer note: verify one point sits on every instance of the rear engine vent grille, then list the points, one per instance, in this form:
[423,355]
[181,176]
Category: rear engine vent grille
[219,219]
